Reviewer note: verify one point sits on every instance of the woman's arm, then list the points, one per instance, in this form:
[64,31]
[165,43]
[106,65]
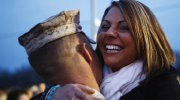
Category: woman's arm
[78,91]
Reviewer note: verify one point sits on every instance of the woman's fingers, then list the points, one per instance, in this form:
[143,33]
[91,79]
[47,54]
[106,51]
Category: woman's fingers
[85,88]
[82,91]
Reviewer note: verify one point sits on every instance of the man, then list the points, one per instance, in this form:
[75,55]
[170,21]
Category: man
[61,53]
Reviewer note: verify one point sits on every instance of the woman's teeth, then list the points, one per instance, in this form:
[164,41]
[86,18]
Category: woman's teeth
[113,48]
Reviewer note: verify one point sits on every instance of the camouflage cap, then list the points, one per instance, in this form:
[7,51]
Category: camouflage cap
[55,27]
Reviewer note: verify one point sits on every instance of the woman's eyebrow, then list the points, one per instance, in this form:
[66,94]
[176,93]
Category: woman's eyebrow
[121,21]
[118,22]
[107,21]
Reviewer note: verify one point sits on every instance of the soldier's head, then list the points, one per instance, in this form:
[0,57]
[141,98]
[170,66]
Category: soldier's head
[61,52]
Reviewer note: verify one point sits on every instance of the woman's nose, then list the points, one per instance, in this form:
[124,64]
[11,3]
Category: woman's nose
[112,33]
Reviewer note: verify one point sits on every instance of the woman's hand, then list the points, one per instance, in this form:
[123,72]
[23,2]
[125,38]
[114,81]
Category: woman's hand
[78,91]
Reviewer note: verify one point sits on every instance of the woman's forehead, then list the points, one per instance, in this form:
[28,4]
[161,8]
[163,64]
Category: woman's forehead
[114,14]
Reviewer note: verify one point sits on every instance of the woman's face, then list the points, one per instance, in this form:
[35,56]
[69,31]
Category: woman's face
[115,40]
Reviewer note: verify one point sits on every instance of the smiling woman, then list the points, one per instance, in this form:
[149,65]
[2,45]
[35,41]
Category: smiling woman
[136,54]
[115,40]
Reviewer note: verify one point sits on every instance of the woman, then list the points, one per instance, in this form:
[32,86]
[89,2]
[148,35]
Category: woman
[132,42]
[137,57]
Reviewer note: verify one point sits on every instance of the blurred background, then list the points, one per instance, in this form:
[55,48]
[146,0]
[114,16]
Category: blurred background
[18,16]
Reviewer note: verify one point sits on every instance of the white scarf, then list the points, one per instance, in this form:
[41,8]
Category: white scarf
[116,84]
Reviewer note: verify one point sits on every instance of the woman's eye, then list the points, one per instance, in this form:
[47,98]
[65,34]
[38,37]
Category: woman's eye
[105,27]
[124,28]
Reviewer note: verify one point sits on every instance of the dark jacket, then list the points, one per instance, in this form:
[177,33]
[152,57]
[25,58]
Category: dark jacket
[162,86]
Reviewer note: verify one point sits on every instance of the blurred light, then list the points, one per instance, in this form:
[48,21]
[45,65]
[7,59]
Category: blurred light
[97,22]
[34,88]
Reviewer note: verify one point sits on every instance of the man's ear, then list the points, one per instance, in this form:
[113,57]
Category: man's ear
[85,53]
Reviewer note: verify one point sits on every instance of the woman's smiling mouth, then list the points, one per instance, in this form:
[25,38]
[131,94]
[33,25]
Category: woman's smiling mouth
[112,48]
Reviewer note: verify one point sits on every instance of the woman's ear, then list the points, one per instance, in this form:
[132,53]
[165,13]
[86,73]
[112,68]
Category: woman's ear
[85,53]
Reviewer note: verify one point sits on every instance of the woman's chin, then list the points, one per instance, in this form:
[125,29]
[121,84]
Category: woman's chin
[109,63]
